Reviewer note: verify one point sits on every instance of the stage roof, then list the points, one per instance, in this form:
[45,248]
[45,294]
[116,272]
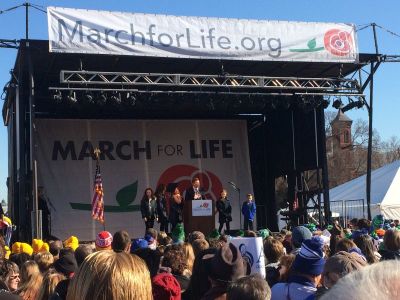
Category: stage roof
[47,66]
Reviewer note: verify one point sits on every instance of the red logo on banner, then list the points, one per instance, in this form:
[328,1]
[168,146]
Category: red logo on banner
[338,42]
[205,205]
[183,175]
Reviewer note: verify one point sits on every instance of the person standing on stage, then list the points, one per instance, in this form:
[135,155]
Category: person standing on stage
[162,209]
[224,209]
[42,205]
[249,212]
[195,192]
[148,207]
[176,209]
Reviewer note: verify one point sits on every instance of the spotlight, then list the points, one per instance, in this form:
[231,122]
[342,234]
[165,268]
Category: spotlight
[131,98]
[102,99]
[353,104]
[88,97]
[57,96]
[325,103]
[337,103]
[115,98]
[72,97]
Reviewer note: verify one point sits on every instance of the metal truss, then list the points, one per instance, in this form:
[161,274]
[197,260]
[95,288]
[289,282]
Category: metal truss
[318,86]
[14,44]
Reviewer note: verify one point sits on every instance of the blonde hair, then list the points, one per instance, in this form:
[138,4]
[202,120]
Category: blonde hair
[29,289]
[28,269]
[188,248]
[44,261]
[107,275]
[50,281]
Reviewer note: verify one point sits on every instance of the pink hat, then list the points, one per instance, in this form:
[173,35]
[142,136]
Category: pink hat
[104,240]
[166,287]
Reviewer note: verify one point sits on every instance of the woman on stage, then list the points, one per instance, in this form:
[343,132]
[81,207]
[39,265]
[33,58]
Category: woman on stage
[148,207]
[162,208]
[224,211]
[176,209]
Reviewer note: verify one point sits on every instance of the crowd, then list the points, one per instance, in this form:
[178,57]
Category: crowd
[358,262]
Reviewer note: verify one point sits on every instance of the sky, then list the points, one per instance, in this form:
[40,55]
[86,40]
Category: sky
[360,12]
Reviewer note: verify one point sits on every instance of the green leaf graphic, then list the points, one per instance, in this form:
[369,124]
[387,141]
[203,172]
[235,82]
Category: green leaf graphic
[312,44]
[127,194]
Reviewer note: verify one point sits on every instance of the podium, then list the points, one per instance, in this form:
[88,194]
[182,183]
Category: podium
[199,215]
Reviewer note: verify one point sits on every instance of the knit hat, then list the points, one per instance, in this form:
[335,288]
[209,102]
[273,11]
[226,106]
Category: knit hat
[66,264]
[214,234]
[166,287]
[343,263]
[138,244]
[7,252]
[21,248]
[178,235]
[310,260]
[264,233]
[240,233]
[300,234]
[226,265]
[71,242]
[103,240]
[39,246]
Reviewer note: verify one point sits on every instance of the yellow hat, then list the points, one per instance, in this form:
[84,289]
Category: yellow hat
[7,220]
[71,242]
[39,246]
[8,252]
[22,248]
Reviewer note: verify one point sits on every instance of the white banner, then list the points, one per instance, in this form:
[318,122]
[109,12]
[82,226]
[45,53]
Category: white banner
[252,250]
[201,208]
[121,33]
[135,155]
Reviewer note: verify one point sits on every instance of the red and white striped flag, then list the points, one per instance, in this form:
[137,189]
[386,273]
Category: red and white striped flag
[98,201]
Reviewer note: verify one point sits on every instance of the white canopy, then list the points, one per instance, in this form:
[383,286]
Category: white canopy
[385,190]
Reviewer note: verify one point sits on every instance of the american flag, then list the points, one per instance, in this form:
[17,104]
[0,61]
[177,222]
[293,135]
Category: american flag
[98,201]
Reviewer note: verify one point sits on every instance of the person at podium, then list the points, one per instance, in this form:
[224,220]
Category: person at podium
[195,192]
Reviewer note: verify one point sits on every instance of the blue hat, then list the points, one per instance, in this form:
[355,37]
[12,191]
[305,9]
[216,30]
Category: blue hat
[310,259]
[138,244]
[300,234]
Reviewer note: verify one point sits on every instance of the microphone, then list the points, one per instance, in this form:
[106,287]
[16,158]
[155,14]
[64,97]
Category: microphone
[234,186]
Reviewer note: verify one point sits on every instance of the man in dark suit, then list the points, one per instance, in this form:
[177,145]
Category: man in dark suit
[195,192]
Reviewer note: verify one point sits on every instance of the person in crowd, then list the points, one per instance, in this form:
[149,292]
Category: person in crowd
[345,244]
[121,241]
[176,209]
[103,241]
[353,224]
[199,283]
[10,275]
[224,209]
[20,258]
[305,272]
[50,281]
[273,250]
[249,212]
[337,234]
[252,287]
[391,243]
[31,281]
[285,265]
[287,240]
[110,275]
[376,281]
[152,258]
[194,192]
[195,235]
[82,252]
[151,236]
[188,248]
[44,260]
[54,248]
[165,286]
[175,259]
[67,266]
[224,267]
[162,209]
[199,245]
[338,266]
[148,208]
[299,235]
[367,247]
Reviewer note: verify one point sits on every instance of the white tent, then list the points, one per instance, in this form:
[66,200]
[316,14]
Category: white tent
[385,190]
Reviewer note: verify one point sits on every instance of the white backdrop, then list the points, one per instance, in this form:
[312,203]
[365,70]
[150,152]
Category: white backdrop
[166,151]
[121,33]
